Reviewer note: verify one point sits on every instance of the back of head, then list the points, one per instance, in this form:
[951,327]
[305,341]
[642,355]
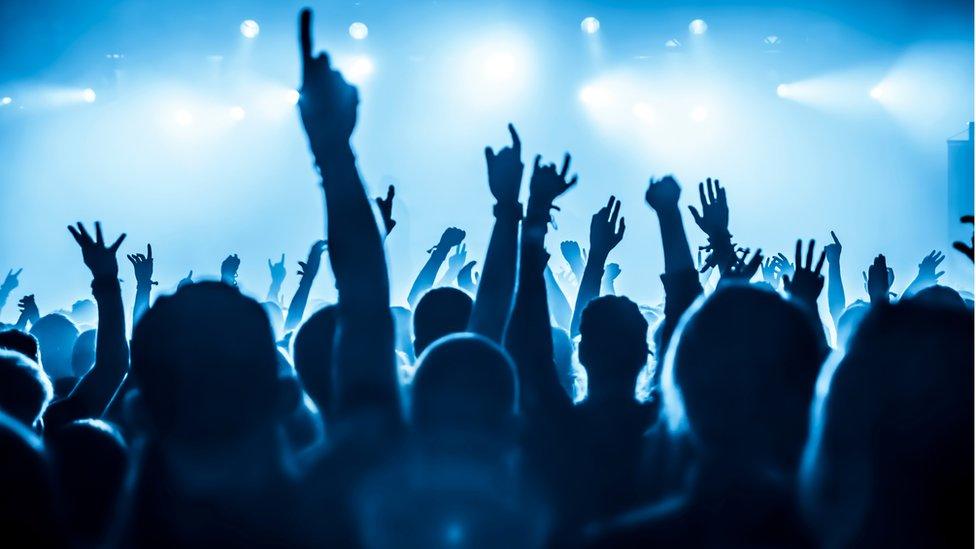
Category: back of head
[90,463]
[204,359]
[940,296]
[848,322]
[743,370]
[83,354]
[440,312]
[56,337]
[27,502]
[890,458]
[613,345]
[464,383]
[22,342]
[25,389]
[84,312]
[312,352]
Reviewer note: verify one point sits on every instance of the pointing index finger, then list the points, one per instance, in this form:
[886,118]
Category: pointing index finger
[305,32]
[516,142]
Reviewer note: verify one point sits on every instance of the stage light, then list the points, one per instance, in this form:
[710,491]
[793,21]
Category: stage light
[699,113]
[643,112]
[698,26]
[877,92]
[358,69]
[6,100]
[237,113]
[292,96]
[358,31]
[590,25]
[672,44]
[183,117]
[782,90]
[499,66]
[88,95]
[594,95]
[250,28]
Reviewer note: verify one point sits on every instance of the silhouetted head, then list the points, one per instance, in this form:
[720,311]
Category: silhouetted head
[84,312]
[741,371]
[849,320]
[890,456]
[464,383]
[204,359]
[27,501]
[22,342]
[25,389]
[613,347]
[440,312]
[312,351]
[90,464]
[56,337]
[83,354]
[940,296]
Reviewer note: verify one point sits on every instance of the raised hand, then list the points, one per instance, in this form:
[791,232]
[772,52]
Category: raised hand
[574,256]
[770,273]
[185,281]
[99,258]
[612,271]
[714,216]
[546,185]
[457,261]
[664,194]
[28,308]
[467,279]
[326,102]
[310,267]
[926,269]
[961,246]
[228,269]
[806,282]
[878,279]
[143,266]
[783,265]
[451,237]
[10,281]
[605,233]
[386,209]
[278,271]
[833,249]
[744,270]
[505,171]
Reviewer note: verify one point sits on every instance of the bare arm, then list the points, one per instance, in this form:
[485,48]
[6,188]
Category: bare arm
[836,300]
[604,236]
[309,268]
[451,237]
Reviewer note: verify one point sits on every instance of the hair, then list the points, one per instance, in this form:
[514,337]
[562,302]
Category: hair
[312,351]
[205,362]
[25,390]
[84,312]
[22,342]
[464,382]
[56,336]
[83,353]
[440,312]
[849,321]
[613,343]
[740,375]
[938,295]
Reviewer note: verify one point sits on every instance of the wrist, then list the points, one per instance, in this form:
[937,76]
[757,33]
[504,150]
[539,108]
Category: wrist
[508,211]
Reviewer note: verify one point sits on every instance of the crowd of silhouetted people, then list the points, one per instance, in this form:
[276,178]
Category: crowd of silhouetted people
[511,408]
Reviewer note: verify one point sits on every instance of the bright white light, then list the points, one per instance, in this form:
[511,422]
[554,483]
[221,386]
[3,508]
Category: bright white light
[358,31]
[643,112]
[183,117]
[698,26]
[237,113]
[88,95]
[291,96]
[782,90]
[699,113]
[499,66]
[595,96]
[590,25]
[250,28]
[358,70]
[877,92]
[672,44]
[771,40]
[6,100]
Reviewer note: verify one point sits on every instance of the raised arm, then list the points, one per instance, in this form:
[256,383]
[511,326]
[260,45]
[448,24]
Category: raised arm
[364,361]
[529,338]
[493,303]
[455,263]
[278,273]
[94,392]
[143,267]
[452,236]
[714,221]
[228,269]
[9,283]
[836,300]
[806,283]
[604,236]
[385,206]
[309,268]
[562,313]
[927,275]
[29,313]
[610,274]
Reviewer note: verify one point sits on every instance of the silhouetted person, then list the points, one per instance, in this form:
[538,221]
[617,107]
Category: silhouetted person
[83,353]
[29,513]
[312,350]
[25,389]
[15,340]
[440,312]
[56,337]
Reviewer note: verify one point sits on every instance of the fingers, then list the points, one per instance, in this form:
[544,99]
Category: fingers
[939,274]
[118,242]
[810,254]
[98,234]
[820,262]
[701,195]
[20,270]
[565,170]
[149,252]
[390,192]
[84,233]
[305,33]
[77,236]
[720,191]
[623,227]
[535,162]
[132,259]
[489,155]
[798,256]
[834,236]
[516,142]
[711,191]
[696,215]
[615,212]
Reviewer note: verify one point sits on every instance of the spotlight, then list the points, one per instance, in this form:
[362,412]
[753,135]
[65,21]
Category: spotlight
[642,111]
[499,67]
[590,25]
[877,92]
[672,44]
[358,69]
[236,113]
[358,31]
[698,26]
[699,113]
[595,96]
[88,95]
[771,40]
[250,28]
[782,90]
[6,100]
[291,96]
[183,117]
